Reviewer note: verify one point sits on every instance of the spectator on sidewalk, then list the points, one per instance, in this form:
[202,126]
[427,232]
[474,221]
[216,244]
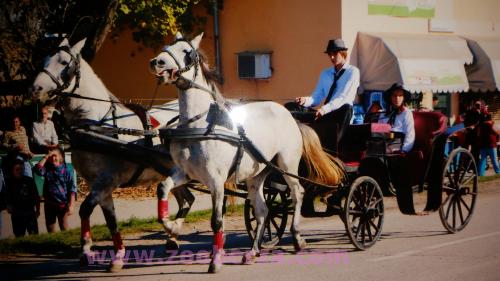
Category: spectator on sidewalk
[16,143]
[488,145]
[44,133]
[59,189]
[23,202]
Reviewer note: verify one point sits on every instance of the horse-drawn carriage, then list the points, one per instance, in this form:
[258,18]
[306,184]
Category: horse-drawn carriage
[265,151]
[437,163]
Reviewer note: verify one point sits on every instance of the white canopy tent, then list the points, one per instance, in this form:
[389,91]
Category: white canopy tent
[418,61]
[484,72]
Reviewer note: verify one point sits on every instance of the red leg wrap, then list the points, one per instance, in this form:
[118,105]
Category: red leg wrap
[117,241]
[85,227]
[162,209]
[219,240]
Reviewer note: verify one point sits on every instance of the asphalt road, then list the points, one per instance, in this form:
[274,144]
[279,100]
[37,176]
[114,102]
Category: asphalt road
[411,248]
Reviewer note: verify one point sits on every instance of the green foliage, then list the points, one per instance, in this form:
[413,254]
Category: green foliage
[151,21]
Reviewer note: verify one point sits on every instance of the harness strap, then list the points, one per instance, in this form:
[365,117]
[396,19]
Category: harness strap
[238,157]
[247,144]
[172,121]
[190,120]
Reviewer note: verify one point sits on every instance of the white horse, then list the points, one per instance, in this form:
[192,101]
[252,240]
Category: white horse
[268,125]
[82,94]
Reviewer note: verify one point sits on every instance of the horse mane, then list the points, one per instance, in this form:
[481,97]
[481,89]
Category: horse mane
[209,72]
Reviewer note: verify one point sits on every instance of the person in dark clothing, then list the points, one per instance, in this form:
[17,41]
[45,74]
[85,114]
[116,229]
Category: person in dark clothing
[59,189]
[23,202]
[487,138]
[473,115]
[472,119]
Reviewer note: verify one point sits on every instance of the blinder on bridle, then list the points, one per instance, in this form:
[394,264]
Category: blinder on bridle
[190,59]
[70,71]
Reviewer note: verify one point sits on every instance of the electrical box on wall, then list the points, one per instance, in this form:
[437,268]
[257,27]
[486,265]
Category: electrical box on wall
[254,65]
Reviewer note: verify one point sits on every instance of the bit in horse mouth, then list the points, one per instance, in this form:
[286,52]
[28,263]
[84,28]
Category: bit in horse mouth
[171,73]
[160,74]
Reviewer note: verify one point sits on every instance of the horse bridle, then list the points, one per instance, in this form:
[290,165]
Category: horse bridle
[71,71]
[183,83]
[192,60]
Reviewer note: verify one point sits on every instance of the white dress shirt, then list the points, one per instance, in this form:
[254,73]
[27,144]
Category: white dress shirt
[44,132]
[403,124]
[344,93]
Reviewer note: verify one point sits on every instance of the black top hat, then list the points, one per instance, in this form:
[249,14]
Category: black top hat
[396,86]
[335,45]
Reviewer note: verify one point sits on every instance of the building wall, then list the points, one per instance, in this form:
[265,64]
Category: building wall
[479,18]
[295,31]
[122,65]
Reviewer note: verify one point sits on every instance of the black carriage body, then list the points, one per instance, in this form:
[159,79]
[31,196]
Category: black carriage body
[438,163]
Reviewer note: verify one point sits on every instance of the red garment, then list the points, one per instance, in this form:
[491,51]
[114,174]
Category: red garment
[486,135]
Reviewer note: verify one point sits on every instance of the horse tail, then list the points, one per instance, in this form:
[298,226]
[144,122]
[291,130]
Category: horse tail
[321,166]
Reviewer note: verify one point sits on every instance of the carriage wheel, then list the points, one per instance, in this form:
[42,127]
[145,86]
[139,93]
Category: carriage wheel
[460,190]
[275,223]
[364,212]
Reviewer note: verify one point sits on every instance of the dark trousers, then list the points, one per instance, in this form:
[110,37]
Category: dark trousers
[53,213]
[331,127]
[24,223]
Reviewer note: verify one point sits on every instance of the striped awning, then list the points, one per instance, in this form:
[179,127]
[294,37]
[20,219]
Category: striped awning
[420,62]
[484,73]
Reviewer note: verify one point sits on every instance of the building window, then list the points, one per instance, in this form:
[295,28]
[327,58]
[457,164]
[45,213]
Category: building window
[254,65]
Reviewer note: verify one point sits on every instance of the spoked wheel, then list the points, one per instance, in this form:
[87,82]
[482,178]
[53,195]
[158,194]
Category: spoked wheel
[459,190]
[364,212]
[275,223]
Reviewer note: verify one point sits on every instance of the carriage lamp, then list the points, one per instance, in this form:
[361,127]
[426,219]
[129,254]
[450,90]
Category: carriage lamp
[238,115]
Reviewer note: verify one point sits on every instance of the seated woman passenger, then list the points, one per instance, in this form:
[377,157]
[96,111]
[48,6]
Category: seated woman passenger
[399,116]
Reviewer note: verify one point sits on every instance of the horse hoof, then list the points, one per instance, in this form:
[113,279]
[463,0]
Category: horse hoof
[171,245]
[300,244]
[115,266]
[249,258]
[214,267]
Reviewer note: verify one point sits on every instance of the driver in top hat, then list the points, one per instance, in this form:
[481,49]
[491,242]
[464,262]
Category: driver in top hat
[337,87]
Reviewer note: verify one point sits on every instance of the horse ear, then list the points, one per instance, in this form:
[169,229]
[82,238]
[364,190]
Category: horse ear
[64,42]
[178,35]
[196,41]
[77,48]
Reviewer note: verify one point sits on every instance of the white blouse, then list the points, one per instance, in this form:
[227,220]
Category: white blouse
[403,124]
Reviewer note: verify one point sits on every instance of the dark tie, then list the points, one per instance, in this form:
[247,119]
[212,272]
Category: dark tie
[336,77]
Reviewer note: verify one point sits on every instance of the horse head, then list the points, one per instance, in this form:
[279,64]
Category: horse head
[176,60]
[60,71]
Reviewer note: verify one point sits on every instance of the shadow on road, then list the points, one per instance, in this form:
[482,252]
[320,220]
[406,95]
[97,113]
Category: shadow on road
[194,250]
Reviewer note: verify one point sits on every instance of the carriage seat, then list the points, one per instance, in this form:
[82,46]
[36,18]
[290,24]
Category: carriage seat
[353,146]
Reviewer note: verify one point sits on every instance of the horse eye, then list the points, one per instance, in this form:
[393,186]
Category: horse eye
[64,62]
